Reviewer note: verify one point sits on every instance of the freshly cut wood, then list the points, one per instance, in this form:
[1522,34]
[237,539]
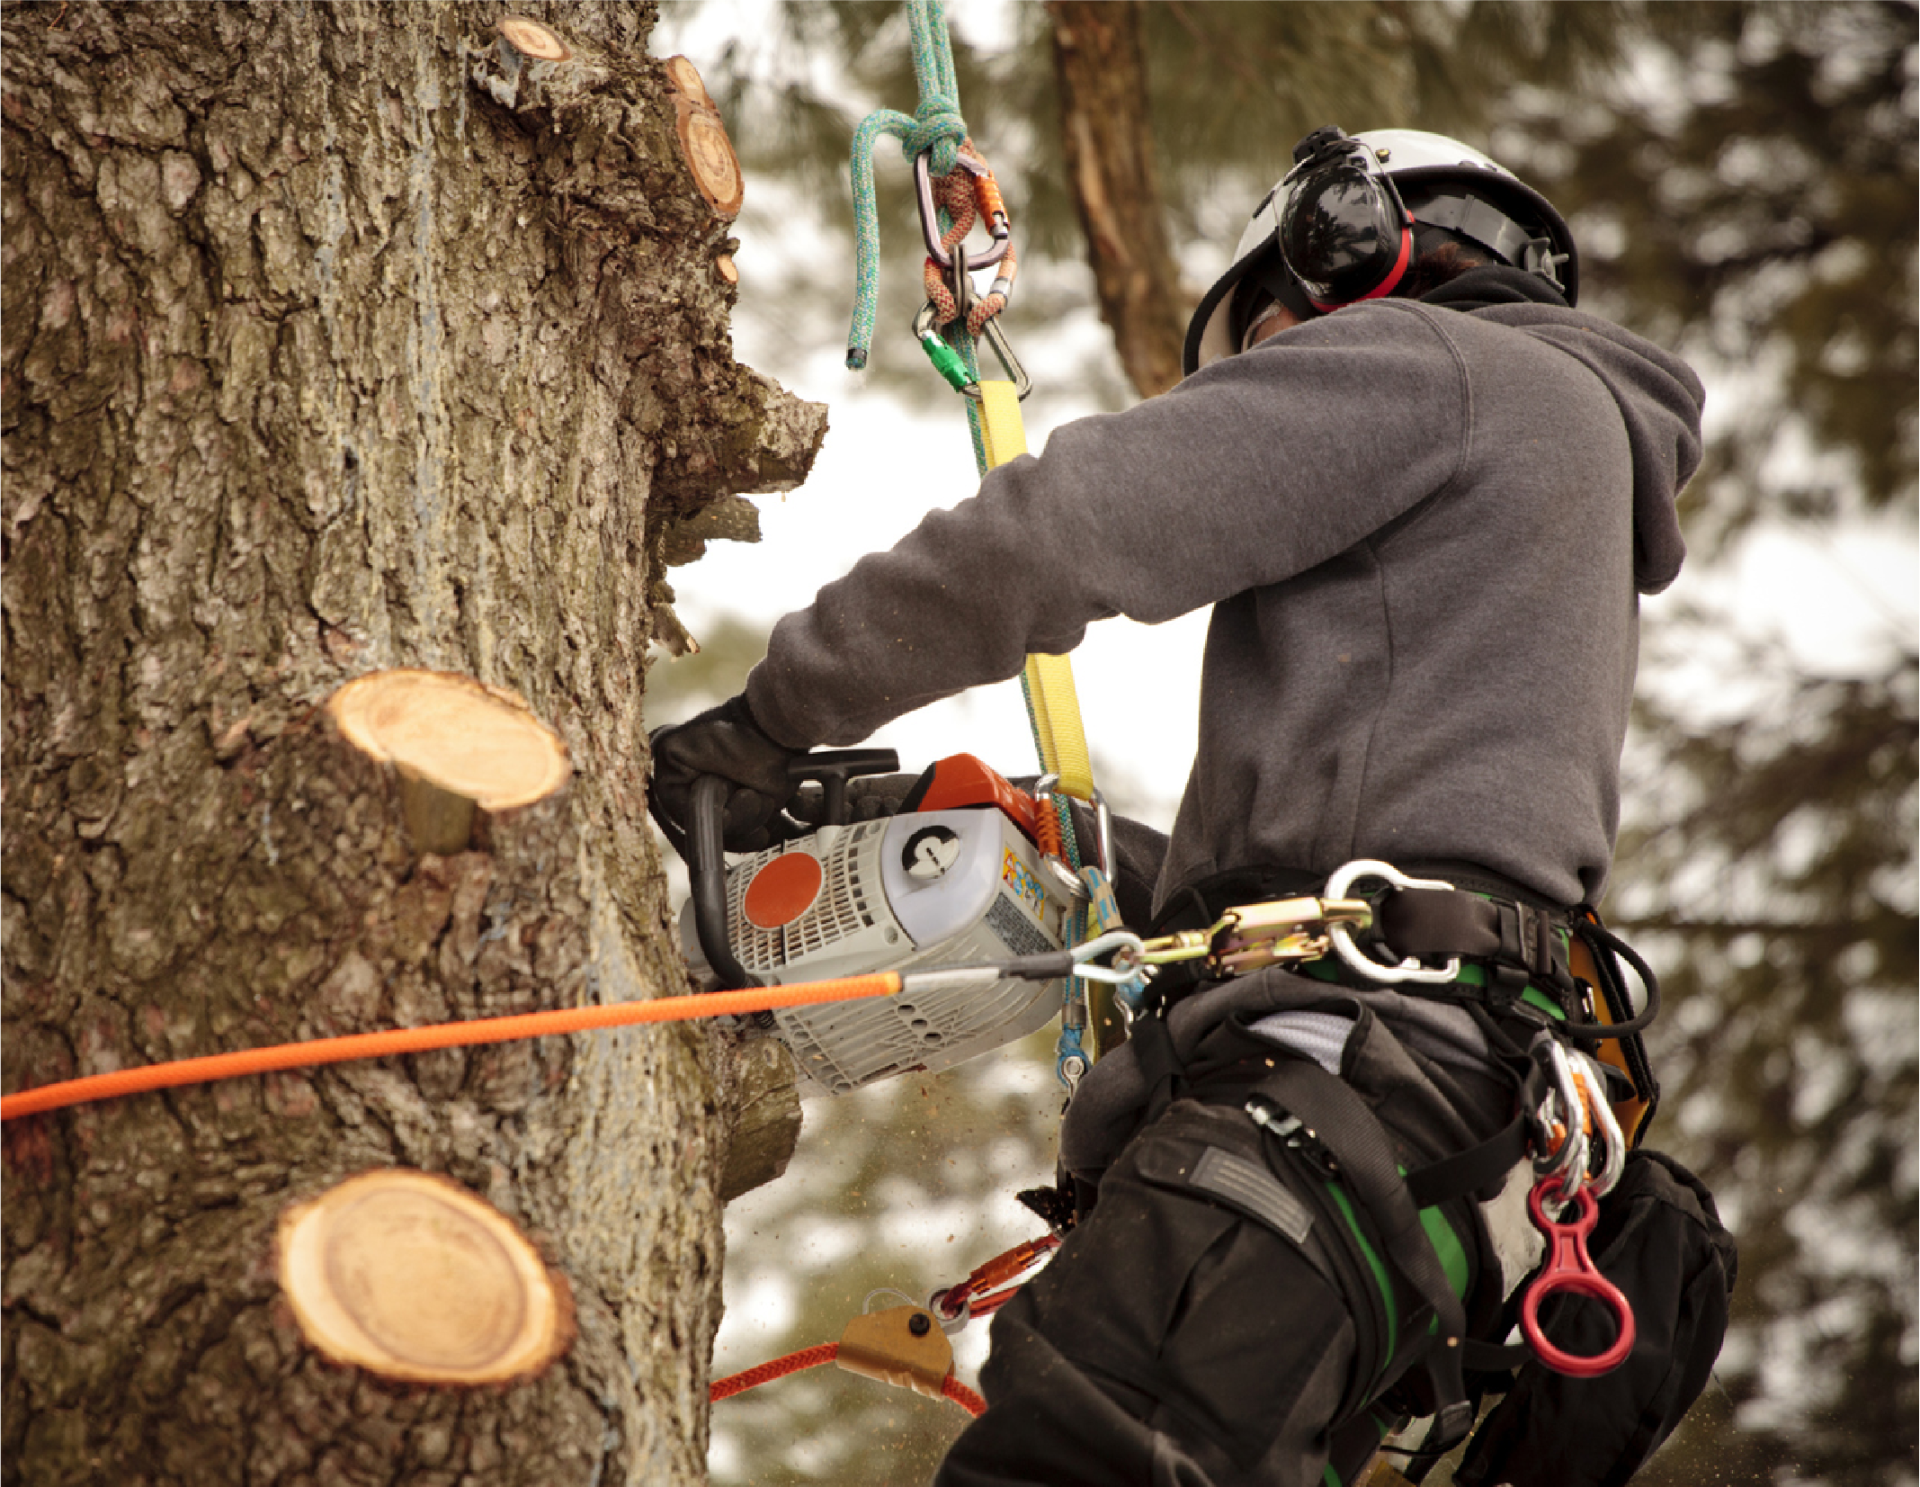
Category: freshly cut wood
[685,78]
[531,39]
[704,140]
[411,1277]
[456,743]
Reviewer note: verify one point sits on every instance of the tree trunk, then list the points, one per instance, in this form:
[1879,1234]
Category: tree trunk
[340,338]
[1100,65]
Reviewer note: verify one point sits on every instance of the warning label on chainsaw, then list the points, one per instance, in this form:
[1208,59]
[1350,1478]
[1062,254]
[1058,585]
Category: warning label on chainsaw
[1016,931]
[1020,878]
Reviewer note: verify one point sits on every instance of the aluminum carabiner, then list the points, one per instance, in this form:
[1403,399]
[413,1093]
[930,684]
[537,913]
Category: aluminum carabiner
[1409,969]
[986,193]
[953,368]
[1563,1153]
[1016,374]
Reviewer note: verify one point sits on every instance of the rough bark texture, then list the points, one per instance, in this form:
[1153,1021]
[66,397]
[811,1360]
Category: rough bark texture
[1099,62]
[339,337]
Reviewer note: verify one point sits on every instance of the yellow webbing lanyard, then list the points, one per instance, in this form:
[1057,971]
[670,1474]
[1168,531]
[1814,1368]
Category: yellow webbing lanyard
[1056,706]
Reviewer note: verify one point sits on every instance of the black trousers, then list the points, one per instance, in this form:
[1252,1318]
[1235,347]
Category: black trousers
[1199,1327]
[1212,1320]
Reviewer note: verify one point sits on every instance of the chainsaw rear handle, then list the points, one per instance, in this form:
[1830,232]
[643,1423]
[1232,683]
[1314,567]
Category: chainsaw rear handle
[706,857]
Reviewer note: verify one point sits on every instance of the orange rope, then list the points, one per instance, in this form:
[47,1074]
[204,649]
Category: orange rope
[395,1041]
[964,195]
[826,1352]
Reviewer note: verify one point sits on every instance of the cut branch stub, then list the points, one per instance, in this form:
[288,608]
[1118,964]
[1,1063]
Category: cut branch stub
[704,140]
[531,39]
[455,743]
[412,1277]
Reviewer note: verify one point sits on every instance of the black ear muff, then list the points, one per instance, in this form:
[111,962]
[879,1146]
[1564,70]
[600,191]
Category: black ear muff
[1344,231]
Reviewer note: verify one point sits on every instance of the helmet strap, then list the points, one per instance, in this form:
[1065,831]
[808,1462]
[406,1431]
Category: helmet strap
[1473,219]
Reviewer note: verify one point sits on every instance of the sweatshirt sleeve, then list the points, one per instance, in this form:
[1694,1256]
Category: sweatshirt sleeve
[1253,470]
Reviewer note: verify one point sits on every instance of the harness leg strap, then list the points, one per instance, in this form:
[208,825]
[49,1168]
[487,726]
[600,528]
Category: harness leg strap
[1345,1123]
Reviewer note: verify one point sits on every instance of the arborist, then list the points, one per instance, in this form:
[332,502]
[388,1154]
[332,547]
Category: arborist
[1421,493]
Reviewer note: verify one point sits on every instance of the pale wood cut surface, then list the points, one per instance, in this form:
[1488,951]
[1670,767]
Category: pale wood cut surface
[454,732]
[412,1277]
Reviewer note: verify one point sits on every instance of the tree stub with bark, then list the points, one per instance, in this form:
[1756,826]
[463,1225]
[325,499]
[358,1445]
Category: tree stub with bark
[456,744]
[412,1277]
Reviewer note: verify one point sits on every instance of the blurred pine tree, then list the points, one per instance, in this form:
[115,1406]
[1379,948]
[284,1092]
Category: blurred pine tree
[1742,178]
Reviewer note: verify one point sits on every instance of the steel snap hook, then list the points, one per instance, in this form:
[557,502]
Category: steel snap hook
[995,337]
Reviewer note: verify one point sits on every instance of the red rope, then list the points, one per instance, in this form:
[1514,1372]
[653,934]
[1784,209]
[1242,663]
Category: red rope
[961,1395]
[826,1352]
[766,1373]
[439,1035]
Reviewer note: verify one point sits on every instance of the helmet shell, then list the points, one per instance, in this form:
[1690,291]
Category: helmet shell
[1418,163]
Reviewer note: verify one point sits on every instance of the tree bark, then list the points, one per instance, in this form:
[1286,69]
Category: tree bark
[1100,66]
[341,338]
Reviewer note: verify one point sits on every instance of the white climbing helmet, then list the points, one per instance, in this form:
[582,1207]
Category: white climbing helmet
[1337,227]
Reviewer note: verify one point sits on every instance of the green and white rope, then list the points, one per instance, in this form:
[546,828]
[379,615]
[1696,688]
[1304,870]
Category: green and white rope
[935,126]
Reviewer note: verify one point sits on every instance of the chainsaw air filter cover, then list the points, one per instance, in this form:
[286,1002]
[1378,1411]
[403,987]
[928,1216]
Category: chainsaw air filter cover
[924,890]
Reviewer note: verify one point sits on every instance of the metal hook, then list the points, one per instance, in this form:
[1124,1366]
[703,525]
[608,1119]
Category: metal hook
[1409,969]
[997,223]
[995,337]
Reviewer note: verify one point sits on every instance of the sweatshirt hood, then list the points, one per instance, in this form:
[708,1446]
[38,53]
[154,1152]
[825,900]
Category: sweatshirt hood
[1659,397]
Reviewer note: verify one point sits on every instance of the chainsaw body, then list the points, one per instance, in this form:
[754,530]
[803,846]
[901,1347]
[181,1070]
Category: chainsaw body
[955,879]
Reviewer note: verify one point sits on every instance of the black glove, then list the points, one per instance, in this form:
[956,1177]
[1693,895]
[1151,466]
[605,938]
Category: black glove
[724,741]
[869,798]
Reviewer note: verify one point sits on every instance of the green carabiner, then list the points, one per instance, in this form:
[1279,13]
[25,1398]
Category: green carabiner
[946,361]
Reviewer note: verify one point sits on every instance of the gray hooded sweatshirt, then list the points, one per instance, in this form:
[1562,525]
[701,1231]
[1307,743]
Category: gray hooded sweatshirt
[1422,530]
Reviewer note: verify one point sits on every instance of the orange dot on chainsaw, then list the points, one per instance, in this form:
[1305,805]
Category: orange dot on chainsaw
[783,890]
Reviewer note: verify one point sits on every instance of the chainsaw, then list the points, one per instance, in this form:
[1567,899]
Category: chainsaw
[957,877]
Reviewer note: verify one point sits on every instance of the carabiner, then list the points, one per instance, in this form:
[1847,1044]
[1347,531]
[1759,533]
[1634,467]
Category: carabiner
[1563,1156]
[1409,969]
[990,206]
[946,361]
[1605,1126]
[1016,374]
[1127,950]
[1058,868]
[1569,1268]
[1561,1153]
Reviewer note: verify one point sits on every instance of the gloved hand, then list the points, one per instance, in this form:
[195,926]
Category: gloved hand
[724,741]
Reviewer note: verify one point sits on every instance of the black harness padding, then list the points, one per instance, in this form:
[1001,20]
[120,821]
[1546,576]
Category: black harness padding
[1518,943]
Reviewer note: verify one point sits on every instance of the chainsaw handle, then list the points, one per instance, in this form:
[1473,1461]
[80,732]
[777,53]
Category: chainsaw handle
[833,769]
[707,870]
[705,852]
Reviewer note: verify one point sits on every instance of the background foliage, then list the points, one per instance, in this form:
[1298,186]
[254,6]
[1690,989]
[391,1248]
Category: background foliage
[1742,179]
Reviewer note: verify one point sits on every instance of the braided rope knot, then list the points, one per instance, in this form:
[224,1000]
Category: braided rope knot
[938,130]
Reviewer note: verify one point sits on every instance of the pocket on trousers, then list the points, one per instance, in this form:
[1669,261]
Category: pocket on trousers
[1169,1290]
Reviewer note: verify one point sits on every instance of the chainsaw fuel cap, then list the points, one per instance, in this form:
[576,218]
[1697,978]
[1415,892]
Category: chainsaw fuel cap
[783,890]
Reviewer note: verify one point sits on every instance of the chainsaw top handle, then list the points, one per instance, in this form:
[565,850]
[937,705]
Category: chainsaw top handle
[831,769]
